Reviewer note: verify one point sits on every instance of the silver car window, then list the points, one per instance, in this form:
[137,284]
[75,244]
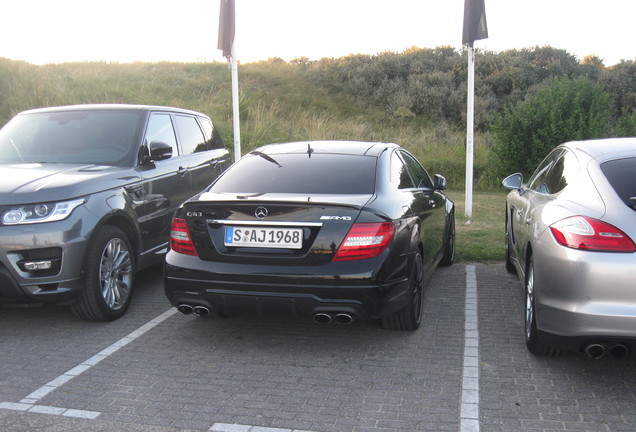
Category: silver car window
[538,180]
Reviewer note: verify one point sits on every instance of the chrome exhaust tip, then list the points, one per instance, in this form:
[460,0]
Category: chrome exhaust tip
[618,351]
[322,318]
[201,311]
[343,319]
[595,350]
[185,309]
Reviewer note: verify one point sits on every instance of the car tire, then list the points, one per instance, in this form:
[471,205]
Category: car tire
[110,273]
[510,267]
[533,344]
[449,245]
[410,317]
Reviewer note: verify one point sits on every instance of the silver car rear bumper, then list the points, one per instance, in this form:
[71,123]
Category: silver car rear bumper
[585,295]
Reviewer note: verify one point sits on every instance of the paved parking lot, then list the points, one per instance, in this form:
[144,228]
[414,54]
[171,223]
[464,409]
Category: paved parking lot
[466,369]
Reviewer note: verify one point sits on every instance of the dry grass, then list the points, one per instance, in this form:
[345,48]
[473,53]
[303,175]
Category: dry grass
[482,238]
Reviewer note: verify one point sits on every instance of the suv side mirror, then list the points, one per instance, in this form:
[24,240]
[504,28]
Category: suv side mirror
[439,182]
[513,181]
[159,151]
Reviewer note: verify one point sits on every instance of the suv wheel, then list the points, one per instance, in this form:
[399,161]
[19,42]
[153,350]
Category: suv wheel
[110,272]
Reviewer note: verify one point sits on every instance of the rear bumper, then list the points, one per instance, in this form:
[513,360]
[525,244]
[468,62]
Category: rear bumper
[585,297]
[227,289]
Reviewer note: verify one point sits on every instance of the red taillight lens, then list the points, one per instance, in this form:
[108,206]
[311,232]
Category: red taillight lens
[365,240]
[180,240]
[579,232]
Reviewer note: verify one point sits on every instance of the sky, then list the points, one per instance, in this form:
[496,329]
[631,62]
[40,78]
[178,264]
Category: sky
[58,31]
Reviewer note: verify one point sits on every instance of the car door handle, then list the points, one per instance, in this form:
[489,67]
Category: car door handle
[182,171]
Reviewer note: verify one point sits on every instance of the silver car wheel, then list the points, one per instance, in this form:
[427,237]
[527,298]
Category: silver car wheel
[115,274]
[529,302]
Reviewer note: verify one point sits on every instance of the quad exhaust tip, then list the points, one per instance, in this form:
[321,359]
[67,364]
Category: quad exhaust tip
[197,311]
[185,309]
[338,318]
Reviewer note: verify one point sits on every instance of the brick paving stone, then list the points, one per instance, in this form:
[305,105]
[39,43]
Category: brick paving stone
[293,375]
[522,392]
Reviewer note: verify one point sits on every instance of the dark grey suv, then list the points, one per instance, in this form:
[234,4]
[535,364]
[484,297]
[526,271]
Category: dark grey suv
[87,196]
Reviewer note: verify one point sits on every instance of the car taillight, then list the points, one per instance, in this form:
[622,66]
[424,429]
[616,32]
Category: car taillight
[580,232]
[180,240]
[365,240]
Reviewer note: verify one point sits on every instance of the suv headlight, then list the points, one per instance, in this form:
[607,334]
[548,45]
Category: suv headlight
[41,212]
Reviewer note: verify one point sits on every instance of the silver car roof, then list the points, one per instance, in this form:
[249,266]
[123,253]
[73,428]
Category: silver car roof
[607,148]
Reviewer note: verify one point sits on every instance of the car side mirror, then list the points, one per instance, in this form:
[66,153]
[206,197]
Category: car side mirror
[160,151]
[513,181]
[439,182]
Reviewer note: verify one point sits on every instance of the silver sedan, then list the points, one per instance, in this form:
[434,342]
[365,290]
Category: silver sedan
[569,232]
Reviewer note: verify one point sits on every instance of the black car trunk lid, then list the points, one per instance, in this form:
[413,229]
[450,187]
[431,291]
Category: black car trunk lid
[290,231]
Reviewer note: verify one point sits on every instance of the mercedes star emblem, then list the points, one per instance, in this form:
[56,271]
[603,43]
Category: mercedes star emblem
[260,212]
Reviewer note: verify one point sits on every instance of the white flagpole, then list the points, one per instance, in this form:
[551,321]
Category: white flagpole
[235,106]
[469,133]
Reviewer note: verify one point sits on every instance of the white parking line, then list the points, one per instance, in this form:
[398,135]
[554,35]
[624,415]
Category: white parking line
[469,416]
[29,403]
[227,427]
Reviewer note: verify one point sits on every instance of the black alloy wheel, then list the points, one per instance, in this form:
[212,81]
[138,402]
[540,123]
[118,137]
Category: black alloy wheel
[410,317]
[449,245]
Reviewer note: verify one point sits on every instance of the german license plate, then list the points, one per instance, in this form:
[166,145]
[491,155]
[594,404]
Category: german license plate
[288,238]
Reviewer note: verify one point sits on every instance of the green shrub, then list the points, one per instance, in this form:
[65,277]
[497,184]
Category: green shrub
[626,123]
[562,110]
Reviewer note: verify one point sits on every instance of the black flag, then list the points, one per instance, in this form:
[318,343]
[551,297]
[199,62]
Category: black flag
[475,27]
[226,27]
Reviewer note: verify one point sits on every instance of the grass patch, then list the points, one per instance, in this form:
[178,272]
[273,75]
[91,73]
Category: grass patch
[481,239]
[278,102]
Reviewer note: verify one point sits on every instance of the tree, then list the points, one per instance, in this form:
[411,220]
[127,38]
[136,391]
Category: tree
[564,109]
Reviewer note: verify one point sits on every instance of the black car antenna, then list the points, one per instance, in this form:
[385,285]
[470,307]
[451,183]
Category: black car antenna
[309,150]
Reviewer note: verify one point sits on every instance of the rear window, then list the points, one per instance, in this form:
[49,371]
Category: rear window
[299,173]
[621,173]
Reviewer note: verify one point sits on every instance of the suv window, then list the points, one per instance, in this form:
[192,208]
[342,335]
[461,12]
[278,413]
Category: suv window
[212,136]
[191,137]
[86,137]
[299,173]
[160,129]
[621,173]
[419,174]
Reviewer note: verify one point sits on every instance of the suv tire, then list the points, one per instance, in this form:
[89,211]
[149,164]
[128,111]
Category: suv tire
[110,273]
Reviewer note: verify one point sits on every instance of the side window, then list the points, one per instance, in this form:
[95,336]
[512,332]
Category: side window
[538,180]
[400,176]
[212,136]
[191,137]
[160,129]
[564,169]
[419,174]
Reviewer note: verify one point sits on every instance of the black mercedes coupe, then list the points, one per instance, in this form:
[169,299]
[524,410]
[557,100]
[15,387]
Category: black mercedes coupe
[327,230]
